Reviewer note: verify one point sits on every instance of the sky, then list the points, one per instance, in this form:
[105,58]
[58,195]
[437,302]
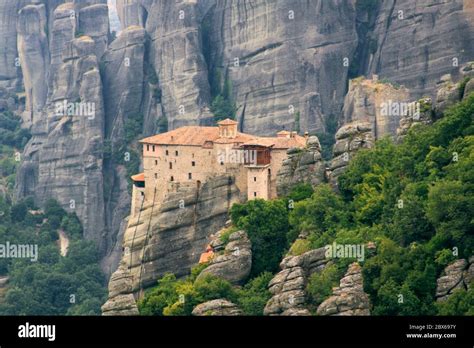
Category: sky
[113,16]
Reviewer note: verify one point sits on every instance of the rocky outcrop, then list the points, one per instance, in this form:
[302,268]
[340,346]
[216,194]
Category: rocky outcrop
[234,262]
[447,94]
[457,275]
[301,166]
[123,305]
[349,298]
[444,28]
[176,54]
[424,115]
[288,286]
[377,103]
[63,160]
[63,31]
[123,79]
[121,300]
[94,22]
[33,52]
[219,307]
[169,237]
[349,139]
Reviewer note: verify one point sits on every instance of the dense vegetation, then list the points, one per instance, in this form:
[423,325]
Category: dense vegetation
[179,297]
[415,200]
[54,284]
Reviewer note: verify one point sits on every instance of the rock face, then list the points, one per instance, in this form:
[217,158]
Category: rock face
[443,28]
[33,54]
[176,54]
[170,237]
[301,166]
[219,307]
[349,298]
[123,79]
[288,286]
[60,64]
[279,56]
[379,104]
[349,139]
[457,275]
[235,263]
[94,22]
[64,158]
[121,300]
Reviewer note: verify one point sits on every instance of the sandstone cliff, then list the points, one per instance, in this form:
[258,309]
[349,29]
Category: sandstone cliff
[170,238]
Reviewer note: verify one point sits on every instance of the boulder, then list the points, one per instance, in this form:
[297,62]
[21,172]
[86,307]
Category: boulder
[349,298]
[219,307]
[235,263]
[288,286]
[301,166]
[457,275]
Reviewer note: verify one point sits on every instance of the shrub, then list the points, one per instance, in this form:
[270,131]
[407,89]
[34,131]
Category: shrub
[320,284]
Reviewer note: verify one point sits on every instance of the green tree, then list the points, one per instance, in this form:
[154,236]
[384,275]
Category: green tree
[266,223]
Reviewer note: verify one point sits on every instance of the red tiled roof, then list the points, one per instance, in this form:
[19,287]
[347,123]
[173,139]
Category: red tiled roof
[198,136]
[138,177]
[188,135]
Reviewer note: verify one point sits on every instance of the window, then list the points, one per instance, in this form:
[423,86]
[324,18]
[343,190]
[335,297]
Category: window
[254,178]
[255,194]
[156,162]
[148,147]
[176,153]
[153,148]
[143,193]
[222,163]
[172,179]
[190,176]
[171,165]
[156,176]
[167,153]
[193,164]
